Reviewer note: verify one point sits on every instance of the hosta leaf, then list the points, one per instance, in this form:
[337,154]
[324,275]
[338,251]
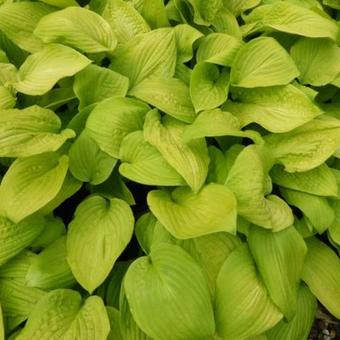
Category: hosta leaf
[142,163]
[154,13]
[53,230]
[334,229]
[128,326]
[332,3]
[96,83]
[106,227]
[62,314]
[294,19]
[87,162]
[247,179]
[279,259]
[210,251]
[185,214]
[262,62]
[50,270]
[7,100]
[30,131]
[18,21]
[205,11]
[185,38]
[299,327]
[30,183]
[319,181]
[112,119]
[41,70]
[17,300]
[147,55]
[322,274]
[14,237]
[277,109]
[124,20]
[69,187]
[216,123]
[238,289]
[226,22]
[190,159]
[218,48]
[170,95]
[168,288]
[2,327]
[77,27]
[306,147]
[239,6]
[315,208]
[61,3]
[208,86]
[317,60]
[115,332]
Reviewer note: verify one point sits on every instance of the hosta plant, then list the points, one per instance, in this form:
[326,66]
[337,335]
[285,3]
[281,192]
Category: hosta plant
[170,170]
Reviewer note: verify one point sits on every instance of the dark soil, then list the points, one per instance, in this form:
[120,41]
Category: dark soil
[325,327]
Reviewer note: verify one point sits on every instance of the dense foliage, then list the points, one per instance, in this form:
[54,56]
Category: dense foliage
[170,169]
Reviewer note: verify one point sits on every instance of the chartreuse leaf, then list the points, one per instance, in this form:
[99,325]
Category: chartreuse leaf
[14,237]
[315,208]
[168,288]
[151,54]
[77,27]
[153,11]
[332,3]
[190,159]
[322,274]
[128,326]
[210,252]
[334,229]
[30,183]
[68,188]
[18,21]
[115,332]
[8,77]
[248,180]
[306,147]
[2,326]
[237,7]
[205,11]
[53,230]
[30,131]
[170,95]
[124,20]
[50,270]
[208,86]
[87,162]
[277,109]
[319,181]
[18,300]
[95,83]
[279,258]
[61,3]
[106,227]
[149,232]
[41,70]
[214,123]
[239,289]
[262,62]
[112,119]
[186,36]
[318,60]
[294,19]
[299,327]
[186,214]
[62,314]
[143,163]
[218,48]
